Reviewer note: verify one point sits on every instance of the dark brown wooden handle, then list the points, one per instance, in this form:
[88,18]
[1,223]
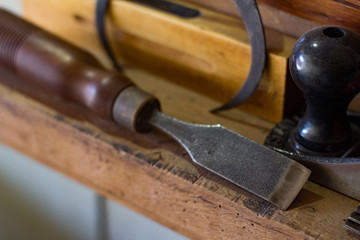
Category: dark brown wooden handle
[58,66]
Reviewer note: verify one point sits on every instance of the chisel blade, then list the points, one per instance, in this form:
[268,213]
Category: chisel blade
[252,166]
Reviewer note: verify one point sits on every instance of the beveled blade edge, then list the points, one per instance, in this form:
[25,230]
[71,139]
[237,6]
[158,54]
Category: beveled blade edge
[281,191]
[289,185]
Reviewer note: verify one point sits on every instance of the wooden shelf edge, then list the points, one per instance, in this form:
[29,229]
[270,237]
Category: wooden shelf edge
[187,208]
[159,183]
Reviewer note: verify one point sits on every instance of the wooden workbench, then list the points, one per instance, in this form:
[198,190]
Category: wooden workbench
[153,175]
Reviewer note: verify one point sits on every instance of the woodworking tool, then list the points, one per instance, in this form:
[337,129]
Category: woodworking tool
[61,68]
[251,18]
[325,64]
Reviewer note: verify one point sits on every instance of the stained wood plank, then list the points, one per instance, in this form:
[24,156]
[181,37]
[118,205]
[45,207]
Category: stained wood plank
[151,174]
[272,17]
[345,13]
[294,17]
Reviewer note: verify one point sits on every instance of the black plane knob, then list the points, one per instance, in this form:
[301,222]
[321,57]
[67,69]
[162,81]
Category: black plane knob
[325,65]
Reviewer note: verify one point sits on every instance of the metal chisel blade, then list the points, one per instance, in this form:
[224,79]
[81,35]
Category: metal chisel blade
[254,167]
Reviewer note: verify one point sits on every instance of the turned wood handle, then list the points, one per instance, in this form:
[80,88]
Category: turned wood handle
[58,66]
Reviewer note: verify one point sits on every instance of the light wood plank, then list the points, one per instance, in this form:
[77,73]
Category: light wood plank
[209,54]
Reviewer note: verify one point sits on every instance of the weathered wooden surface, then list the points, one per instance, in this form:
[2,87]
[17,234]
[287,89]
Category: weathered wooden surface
[152,174]
[209,54]
[272,18]
[345,13]
[294,17]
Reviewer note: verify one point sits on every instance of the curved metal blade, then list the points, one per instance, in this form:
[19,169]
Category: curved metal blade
[252,20]
[243,162]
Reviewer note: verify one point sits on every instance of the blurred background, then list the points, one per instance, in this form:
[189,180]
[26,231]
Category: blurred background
[39,203]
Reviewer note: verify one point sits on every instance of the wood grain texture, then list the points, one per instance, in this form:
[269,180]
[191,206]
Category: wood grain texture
[272,17]
[344,13]
[151,174]
[209,54]
[294,17]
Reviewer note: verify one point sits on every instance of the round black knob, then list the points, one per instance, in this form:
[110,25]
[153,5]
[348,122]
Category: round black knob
[325,65]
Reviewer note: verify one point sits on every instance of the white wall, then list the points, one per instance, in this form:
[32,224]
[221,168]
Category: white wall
[39,203]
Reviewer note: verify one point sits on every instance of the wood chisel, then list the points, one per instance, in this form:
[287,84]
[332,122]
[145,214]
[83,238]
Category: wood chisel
[61,68]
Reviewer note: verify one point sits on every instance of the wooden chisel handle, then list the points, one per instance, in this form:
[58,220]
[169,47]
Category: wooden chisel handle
[66,70]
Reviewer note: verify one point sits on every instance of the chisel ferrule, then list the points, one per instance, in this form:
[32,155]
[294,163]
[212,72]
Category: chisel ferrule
[133,108]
